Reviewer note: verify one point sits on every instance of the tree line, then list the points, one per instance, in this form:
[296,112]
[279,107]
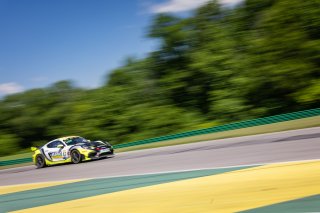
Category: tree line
[215,66]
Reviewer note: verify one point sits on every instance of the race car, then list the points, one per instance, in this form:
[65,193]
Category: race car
[71,149]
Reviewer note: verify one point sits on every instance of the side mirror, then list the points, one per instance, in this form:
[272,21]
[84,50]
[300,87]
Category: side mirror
[34,149]
[60,146]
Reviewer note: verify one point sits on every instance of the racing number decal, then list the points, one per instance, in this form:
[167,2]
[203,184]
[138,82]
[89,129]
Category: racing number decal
[60,155]
[65,154]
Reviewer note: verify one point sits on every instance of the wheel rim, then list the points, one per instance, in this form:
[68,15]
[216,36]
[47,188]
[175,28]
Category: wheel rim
[75,156]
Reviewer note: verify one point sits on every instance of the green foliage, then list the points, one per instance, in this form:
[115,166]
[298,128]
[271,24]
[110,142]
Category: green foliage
[8,143]
[218,65]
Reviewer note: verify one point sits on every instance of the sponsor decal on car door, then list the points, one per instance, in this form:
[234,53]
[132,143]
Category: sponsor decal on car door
[55,153]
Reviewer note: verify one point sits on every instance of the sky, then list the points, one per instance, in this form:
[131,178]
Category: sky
[45,41]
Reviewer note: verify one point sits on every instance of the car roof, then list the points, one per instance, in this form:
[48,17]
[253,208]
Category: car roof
[62,139]
[67,137]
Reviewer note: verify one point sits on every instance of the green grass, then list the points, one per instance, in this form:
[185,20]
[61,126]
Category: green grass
[16,156]
[277,127]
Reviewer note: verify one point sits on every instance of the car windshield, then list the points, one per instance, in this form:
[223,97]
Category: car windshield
[76,140]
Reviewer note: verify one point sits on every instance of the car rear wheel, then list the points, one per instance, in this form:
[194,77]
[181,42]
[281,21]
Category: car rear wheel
[76,156]
[40,161]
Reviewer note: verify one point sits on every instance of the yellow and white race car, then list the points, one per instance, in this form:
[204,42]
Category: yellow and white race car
[71,149]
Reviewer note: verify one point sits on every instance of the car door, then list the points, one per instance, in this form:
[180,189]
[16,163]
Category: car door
[54,152]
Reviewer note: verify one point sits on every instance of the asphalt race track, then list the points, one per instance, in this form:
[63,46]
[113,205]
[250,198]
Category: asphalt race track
[303,144]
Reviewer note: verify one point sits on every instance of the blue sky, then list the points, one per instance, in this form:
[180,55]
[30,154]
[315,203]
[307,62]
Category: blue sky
[44,41]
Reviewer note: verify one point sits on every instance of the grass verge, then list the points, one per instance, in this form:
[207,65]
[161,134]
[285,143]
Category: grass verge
[17,156]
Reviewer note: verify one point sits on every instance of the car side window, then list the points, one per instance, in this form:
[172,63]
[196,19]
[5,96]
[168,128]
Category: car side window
[54,144]
[51,145]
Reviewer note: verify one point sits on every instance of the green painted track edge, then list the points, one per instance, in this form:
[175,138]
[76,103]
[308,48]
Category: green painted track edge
[94,187]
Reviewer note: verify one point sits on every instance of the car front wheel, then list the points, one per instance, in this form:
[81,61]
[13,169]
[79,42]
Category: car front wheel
[76,156]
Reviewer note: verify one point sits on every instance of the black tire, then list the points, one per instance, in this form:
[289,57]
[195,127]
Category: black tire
[76,156]
[40,161]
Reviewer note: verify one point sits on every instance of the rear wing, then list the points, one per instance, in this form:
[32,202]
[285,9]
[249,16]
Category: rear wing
[35,148]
